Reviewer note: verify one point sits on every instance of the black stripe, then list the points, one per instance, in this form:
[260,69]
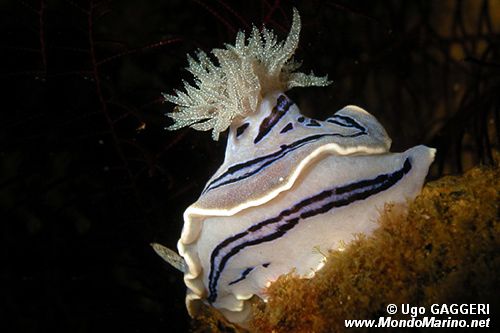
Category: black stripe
[278,111]
[268,159]
[287,128]
[348,194]
[345,122]
[313,123]
[241,129]
[243,276]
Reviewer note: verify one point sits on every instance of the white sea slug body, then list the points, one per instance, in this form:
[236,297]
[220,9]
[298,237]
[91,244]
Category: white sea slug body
[290,187]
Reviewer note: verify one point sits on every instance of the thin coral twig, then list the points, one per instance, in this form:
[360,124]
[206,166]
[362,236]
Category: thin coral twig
[41,22]
[30,7]
[99,92]
[77,6]
[139,49]
[271,11]
[217,16]
[236,14]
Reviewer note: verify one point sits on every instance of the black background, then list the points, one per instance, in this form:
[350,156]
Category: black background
[89,177]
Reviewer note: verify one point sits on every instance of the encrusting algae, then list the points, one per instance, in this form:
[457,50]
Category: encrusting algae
[445,249]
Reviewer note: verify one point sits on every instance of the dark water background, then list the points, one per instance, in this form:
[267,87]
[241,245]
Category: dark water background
[88,176]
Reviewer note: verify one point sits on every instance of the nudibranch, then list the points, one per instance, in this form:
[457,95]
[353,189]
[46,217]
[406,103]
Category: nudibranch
[290,187]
